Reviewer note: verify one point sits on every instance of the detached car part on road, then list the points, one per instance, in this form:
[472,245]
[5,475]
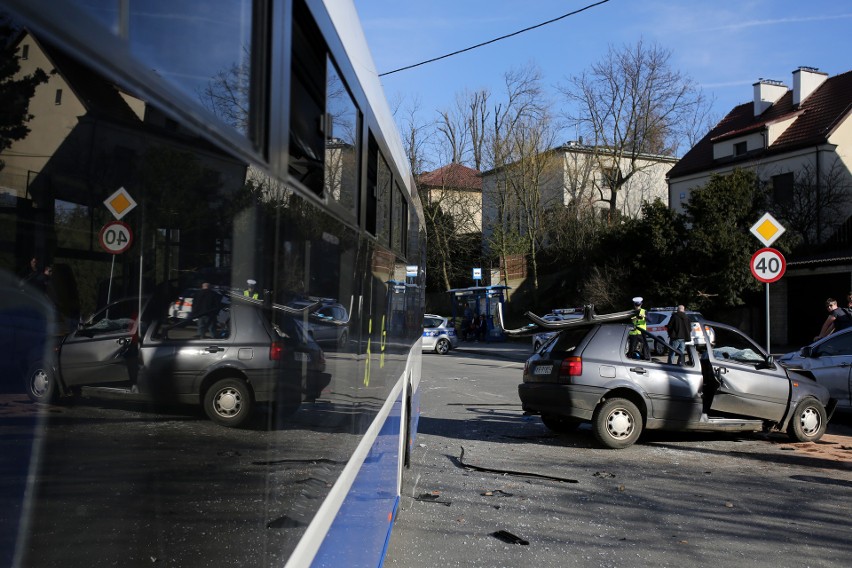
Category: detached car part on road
[259,354]
[586,374]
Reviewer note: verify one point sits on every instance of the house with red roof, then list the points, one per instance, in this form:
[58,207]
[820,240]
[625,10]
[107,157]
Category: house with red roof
[798,141]
[457,189]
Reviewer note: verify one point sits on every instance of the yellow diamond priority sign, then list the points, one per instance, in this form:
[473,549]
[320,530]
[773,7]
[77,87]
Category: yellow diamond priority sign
[120,203]
[767,229]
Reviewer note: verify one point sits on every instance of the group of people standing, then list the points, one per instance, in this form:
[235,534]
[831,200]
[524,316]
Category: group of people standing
[474,328]
[838,318]
[678,328]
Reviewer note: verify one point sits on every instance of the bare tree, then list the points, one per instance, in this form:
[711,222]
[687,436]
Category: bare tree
[521,136]
[227,94]
[633,104]
[817,203]
[415,134]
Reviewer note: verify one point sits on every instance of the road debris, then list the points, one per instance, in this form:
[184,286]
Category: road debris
[506,536]
[510,472]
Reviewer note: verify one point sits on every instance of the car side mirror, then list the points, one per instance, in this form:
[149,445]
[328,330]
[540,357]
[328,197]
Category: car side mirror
[769,363]
[807,351]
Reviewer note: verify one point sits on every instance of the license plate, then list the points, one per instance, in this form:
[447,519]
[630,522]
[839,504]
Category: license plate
[299,356]
[543,370]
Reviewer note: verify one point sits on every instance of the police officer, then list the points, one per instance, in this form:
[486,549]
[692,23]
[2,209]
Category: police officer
[636,345]
[251,292]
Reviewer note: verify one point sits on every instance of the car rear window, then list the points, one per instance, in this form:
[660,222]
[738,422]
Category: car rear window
[654,318]
[569,339]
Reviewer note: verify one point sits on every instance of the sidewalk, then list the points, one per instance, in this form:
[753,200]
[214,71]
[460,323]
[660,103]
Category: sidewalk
[511,349]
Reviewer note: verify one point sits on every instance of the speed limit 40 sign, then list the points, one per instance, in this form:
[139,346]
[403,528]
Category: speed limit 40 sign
[768,265]
[115,237]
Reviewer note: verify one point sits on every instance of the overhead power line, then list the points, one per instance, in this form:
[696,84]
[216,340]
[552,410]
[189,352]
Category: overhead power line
[496,39]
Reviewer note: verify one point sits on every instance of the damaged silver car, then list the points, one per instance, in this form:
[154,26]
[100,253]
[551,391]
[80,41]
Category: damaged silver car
[589,374]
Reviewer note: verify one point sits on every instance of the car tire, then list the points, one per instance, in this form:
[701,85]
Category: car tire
[442,347]
[343,340]
[659,348]
[561,424]
[228,402]
[617,423]
[808,422]
[41,383]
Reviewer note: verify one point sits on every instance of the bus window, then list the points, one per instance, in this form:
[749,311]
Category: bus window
[372,182]
[400,218]
[341,143]
[307,88]
[209,58]
[383,201]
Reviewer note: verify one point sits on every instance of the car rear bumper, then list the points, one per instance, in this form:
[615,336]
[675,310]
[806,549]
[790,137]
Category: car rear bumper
[573,401]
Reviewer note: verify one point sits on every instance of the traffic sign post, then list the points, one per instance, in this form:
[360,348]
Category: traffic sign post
[767,264]
[115,237]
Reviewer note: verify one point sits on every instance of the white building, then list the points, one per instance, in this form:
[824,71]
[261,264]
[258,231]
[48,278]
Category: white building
[799,142]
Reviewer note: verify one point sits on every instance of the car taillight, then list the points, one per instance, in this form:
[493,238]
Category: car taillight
[276,351]
[571,367]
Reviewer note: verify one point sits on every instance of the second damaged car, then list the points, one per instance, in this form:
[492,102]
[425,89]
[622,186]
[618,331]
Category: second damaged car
[587,373]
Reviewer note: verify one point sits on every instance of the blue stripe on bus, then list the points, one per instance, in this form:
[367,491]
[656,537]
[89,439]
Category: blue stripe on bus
[361,530]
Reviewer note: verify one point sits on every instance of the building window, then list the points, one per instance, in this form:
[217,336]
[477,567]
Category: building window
[25,51]
[782,188]
[740,148]
[58,99]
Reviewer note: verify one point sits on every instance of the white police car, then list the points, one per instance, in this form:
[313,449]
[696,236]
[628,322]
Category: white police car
[657,320]
[438,334]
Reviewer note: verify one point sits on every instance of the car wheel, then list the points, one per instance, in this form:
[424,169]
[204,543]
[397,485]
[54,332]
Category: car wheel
[41,383]
[442,347]
[343,340]
[809,421]
[659,348]
[560,424]
[617,423]
[228,402]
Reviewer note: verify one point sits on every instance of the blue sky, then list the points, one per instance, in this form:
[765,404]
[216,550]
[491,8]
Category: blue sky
[724,45]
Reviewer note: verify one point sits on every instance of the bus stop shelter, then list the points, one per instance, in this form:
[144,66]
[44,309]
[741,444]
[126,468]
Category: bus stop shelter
[474,301]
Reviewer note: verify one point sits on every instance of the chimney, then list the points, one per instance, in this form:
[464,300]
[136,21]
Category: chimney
[806,80]
[766,93]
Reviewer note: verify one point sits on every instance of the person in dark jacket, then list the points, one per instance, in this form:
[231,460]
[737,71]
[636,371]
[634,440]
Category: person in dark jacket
[678,330]
[205,306]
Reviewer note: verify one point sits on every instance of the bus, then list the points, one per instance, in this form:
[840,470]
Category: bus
[212,268]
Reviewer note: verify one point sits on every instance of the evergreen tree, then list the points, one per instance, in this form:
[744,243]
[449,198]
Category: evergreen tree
[15,94]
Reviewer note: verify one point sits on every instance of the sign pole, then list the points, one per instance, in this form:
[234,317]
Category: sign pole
[109,288]
[767,316]
[767,265]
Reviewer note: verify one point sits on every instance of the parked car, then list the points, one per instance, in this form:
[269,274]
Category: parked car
[586,375]
[828,362]
[439,335]
[657,321]
[328,321]
[252,359]
[543,337]
[28,323]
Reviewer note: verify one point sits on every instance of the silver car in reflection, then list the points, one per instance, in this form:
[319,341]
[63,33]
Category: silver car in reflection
[258,354]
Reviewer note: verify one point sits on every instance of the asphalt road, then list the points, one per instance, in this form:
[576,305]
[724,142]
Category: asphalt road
[673,499]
